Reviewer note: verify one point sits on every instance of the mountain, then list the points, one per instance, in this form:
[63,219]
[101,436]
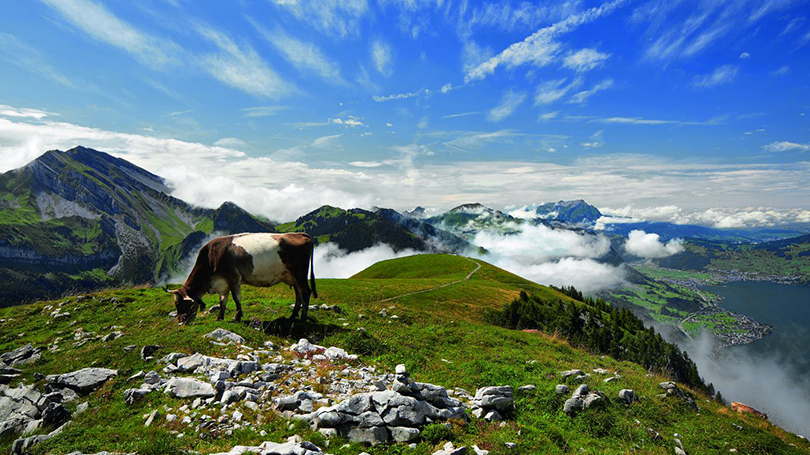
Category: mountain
[357,229]
[571,212]
[467,220]
[669,231]
[83,219]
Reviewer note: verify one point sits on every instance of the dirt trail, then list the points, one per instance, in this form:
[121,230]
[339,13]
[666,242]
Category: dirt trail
[469,275]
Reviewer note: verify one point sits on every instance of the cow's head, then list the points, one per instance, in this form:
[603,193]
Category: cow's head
[186,306]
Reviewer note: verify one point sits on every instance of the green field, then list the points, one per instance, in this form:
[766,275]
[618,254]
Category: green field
[441,337]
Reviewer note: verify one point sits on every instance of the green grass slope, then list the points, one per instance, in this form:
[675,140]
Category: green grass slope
[440,335]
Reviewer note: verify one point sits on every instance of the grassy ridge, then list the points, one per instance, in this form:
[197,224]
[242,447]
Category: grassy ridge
[441,337]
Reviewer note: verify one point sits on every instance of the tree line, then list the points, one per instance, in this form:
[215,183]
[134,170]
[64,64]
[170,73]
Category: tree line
[597,326]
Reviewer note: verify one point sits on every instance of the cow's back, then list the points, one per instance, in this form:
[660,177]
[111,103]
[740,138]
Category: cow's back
[258,260]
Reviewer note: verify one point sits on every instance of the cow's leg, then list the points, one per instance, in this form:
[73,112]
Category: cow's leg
[297,306]
[223,302]
[236,291]
[305,294]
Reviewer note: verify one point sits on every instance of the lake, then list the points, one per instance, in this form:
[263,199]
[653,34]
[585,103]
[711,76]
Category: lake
[771,374]
[784,307]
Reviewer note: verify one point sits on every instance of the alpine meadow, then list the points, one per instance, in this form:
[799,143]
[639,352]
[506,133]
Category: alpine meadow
[404,227]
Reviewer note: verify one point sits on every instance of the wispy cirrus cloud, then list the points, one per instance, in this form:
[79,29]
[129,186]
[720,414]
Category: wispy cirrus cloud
[784,146]
[724,74]
[262,111]
[349,122]
[540,48]
[240,66]
[338,18]
[550,91]
[102,25]
[305,57]
[381,57]
[11,111]
[20,54]
[582,97]
[511,101]
[584,60]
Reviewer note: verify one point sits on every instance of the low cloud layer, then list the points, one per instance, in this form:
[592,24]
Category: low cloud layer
[768,384]
[332,262]
[650,246]
[718,217]
[552,256]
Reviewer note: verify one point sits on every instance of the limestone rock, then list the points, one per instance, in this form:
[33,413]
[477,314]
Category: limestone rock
[83,381]
[225,335]
[189,388]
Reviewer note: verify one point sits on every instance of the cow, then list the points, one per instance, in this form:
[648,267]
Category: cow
[262,259]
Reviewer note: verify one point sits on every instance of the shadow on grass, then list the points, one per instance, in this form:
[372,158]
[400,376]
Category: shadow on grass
[294,329]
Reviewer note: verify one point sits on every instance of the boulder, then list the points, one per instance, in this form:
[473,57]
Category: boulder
[83,381]
[149,351]
[561,389]
[189,388]
[21,356]
[55,414]
[573,405]
[132,396]
[225,335]
[499,398]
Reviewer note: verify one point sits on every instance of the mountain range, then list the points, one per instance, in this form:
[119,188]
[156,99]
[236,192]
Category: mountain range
[82,219]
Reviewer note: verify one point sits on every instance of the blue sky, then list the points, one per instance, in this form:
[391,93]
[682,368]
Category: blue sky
[678,110]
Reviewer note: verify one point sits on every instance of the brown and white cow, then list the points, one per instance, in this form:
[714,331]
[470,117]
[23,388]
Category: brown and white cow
[263,260]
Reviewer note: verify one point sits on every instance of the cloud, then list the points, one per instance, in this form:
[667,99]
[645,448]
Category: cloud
[583,96]
[305,57]
[540,48]
[22,55]
[719,217]
[100,24]
[745,55]
[240,67]
[649,246]
[785,146]
[332,262]
[739,375]
[584,60]
[338,18]
[722,75]
[350,122]
[401,96]
[231,142]
[476,140]
[552,256]
[782,71]
[381,56]
[511,100]
[295,187]
[10,111]
[595,142]
[552,90]
[461,114]
[548,116]
[262,111]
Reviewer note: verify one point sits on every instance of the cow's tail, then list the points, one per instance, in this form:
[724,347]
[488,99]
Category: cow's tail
[312,272]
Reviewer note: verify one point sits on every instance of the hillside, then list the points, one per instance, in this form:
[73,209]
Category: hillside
[80,220]
[433,323]
[357,229]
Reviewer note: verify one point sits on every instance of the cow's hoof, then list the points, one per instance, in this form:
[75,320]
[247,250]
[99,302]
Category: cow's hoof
[238,317]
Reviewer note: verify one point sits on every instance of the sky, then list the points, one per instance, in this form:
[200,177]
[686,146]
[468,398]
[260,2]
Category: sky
[666,110]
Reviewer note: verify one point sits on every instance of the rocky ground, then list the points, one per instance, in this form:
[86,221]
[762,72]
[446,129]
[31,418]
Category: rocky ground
[327,388]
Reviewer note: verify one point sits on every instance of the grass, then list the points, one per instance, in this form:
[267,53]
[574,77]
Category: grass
[439,335]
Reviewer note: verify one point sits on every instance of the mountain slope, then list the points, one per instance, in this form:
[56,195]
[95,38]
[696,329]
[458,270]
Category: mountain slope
[439,334]
[358,229]
[82,219]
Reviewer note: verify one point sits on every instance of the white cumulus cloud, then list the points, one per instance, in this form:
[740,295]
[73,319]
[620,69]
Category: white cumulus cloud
[332,262]
[650,246]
